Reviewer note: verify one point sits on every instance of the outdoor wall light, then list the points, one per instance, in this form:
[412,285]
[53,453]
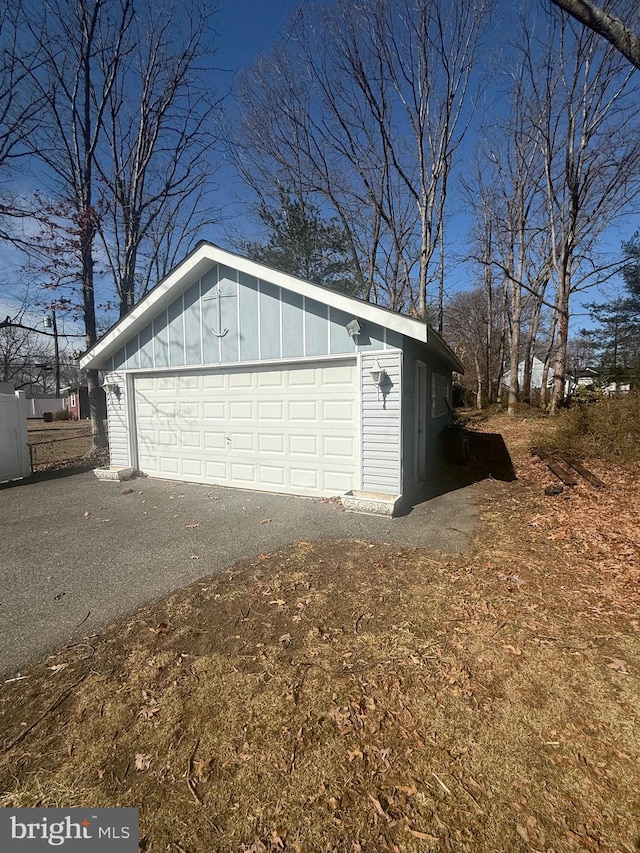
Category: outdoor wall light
[378,374]
[112,388]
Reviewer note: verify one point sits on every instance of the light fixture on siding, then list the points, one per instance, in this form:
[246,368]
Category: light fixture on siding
[353,327]
[378,374]
[112,388]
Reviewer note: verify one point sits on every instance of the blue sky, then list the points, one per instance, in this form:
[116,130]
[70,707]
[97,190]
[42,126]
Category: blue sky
[247,28]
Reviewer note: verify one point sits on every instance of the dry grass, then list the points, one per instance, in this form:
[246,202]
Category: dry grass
[608,428]
[351,697]
[60,444]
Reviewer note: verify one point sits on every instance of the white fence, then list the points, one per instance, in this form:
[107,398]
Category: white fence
[14,448]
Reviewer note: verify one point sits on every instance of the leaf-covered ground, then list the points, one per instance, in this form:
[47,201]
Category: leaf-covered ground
[355,697]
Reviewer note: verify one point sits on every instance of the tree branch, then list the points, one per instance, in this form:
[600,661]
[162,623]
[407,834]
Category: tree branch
[606,25]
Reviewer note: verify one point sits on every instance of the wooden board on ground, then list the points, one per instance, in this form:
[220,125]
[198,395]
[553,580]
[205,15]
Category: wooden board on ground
[566,476]
[584,472]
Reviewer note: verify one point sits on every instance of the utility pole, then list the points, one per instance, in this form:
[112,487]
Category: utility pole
[51,323]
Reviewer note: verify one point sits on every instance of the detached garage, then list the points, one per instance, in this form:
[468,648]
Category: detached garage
[232,373]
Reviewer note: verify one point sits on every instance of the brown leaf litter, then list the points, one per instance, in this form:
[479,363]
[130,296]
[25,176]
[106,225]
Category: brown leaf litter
[343,696]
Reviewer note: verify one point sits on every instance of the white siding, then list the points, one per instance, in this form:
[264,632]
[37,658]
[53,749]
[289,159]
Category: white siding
[382,425]
[117,420]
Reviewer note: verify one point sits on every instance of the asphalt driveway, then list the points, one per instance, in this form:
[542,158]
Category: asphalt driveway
[79,553]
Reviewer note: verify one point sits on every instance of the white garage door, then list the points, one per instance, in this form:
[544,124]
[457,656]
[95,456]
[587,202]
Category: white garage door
[292,429]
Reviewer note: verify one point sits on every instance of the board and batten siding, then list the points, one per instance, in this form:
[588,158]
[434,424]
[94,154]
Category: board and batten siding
[382,425]
[117,420]
[229,317]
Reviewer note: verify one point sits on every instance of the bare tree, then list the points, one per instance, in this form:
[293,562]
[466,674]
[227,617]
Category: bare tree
[159,128]
[506,195]
[364,108]
[18,110]
[587,122]
[609,26]
[81,45]
[123,140]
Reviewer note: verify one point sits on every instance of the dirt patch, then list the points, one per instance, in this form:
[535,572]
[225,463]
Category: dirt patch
[356,697]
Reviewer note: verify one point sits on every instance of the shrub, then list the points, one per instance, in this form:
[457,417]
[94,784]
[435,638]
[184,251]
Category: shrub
[62,415]
[606,428]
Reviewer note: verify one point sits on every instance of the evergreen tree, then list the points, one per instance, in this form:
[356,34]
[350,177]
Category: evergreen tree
[631,268]
[616,339]
[302,243]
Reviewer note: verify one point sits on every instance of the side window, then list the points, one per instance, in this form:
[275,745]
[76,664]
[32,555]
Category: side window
[440,395]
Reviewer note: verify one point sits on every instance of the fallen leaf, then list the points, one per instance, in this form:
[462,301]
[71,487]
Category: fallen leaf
[143,761]
[265,521]
[192,526]
[513,649]
[87,514]
[378,807]
[619,666]
[279,601]
[522,832]
[285,639]
[148,711]
[57,667]
[202,768]
[424,836]
[162,628]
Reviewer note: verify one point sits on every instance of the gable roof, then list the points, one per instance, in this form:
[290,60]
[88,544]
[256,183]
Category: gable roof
[200,260]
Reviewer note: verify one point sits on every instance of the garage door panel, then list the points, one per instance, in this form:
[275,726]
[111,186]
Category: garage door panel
[303,445]
[215,441]
[217,471]
[214,381]
[304,478]
[239,380]
[337,376]
[273,477]
[243,474]
[303,410]
[336,483]
[192,468]
[243,442]
[301,377]
[168,438]
[241,411]
[271,410]
[291,430]
[338,446]
[338,411]
[271,443]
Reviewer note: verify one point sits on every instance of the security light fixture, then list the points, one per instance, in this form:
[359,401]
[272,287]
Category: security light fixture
[353,327]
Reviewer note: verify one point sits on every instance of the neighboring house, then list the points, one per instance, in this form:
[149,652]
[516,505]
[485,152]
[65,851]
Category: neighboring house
[616,389]
[77,401]
[229,372]
[583,379]
[537,367]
